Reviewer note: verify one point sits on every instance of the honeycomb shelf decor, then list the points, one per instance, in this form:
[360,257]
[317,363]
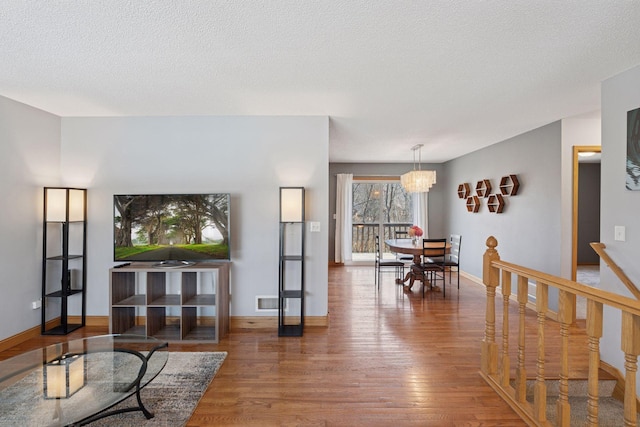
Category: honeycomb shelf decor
[483,188]
[473,204]
[509,185]
[464,191]
[495,203]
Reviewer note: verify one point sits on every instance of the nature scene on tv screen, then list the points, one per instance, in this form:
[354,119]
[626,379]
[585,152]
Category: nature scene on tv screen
[155,227]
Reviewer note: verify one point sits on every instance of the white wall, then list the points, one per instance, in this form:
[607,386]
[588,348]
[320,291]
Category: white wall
[619,206]
[29,160]
[249,157]
[528,231]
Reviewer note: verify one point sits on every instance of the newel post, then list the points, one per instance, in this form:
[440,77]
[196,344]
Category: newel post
[491,279]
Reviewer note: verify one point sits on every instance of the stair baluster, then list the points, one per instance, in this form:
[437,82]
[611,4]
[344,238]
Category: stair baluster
[594,332]
[521,372]
[506,292]
[631,348]
[540,388]
[566,302]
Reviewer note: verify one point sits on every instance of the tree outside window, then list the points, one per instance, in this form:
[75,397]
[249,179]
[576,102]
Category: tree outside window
[379,208]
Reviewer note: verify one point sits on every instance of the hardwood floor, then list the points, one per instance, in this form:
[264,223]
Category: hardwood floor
[387,358]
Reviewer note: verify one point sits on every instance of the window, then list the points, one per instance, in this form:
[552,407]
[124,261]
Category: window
[380,207]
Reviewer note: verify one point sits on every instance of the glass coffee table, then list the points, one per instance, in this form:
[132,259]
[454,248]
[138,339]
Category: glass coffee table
[77,382]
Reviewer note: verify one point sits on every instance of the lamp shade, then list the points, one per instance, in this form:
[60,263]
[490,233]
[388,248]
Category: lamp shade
[63,201]
[64,376]
[291,204]
[56,204]
[418,181]
[76,205]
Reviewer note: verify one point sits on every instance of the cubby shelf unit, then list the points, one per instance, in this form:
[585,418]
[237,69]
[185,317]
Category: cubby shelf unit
[185,304]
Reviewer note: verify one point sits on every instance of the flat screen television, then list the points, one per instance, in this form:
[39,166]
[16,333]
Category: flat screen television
[171,229]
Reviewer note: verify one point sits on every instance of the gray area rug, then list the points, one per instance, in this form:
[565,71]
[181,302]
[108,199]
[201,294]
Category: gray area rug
[174,394]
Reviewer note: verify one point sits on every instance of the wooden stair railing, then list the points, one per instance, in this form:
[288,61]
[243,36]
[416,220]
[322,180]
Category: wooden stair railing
[496,363]
[600,250]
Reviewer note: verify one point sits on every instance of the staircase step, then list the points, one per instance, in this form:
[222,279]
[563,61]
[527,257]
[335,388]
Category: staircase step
[610,410]
[576,387]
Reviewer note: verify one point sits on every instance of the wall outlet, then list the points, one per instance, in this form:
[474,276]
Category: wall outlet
[619,233]
[36,305]
[314,226]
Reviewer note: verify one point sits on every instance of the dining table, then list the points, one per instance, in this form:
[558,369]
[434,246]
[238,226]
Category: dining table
[417,249]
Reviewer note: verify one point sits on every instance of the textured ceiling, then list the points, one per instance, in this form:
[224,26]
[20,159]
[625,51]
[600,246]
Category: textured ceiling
[455,75]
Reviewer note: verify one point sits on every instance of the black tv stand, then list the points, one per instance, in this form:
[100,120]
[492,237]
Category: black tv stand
[173,264]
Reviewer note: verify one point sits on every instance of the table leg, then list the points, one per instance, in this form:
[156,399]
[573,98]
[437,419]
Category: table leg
[406,277]
[412,275]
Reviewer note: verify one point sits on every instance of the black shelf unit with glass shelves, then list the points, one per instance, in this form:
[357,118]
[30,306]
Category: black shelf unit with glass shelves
[64,245]
[291,268]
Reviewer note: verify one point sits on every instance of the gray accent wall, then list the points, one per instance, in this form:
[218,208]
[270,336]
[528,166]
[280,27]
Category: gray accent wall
[529,229]
[29,160]
[248,157]
[619,206]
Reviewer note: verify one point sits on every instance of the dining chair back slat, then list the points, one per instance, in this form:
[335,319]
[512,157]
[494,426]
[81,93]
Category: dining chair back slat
[381,264]
[432,267]
[452,260]
[403,234]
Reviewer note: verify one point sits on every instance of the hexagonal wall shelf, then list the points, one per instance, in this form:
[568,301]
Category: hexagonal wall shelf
[509,185]
[483,188]
[495,203]
[473,204]
[464,190]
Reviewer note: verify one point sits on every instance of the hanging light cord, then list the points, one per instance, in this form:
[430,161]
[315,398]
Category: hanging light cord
[417,147]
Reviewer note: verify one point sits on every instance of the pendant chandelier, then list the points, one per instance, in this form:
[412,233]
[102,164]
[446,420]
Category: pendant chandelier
[418,181]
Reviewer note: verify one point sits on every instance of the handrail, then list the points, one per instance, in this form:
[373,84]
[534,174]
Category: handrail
[599,248]
[579,289]
[511,384]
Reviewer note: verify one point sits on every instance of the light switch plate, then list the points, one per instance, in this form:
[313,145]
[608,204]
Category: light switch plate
[314,226]
[619,233]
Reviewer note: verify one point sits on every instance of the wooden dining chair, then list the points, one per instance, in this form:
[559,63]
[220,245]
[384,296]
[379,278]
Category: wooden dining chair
[403,234]
[432,267]
[380,265]
[452,259]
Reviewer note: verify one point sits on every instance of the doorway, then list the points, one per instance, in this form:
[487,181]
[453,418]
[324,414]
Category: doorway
[585,264]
